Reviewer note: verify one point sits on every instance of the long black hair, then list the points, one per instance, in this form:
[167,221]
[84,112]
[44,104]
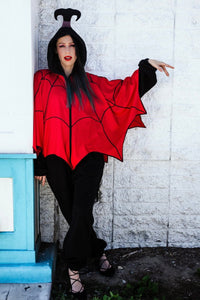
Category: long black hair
[77,81]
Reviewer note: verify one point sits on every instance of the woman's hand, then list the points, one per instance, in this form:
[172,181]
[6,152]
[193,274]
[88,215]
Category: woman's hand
[160,66]
[42,179]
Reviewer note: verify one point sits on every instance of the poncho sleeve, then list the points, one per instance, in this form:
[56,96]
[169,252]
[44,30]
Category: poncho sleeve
[143,81]
[38,126]
[126,94]
[123,105]
[123,96]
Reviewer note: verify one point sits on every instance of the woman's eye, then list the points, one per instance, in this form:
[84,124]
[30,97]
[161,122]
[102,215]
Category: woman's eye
[62,46]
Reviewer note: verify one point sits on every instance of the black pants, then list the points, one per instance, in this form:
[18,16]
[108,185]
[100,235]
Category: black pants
[75,191]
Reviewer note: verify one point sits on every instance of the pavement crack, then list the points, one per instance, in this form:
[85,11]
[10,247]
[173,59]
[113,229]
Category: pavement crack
[7,295]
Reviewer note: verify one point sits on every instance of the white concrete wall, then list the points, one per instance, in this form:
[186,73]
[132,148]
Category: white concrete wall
[152,198]
[16,113]
[35,20]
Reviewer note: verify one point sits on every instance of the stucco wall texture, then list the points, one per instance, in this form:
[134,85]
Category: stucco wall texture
[152,198]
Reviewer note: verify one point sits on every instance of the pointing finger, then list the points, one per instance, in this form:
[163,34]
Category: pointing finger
[165,70]
[167,65]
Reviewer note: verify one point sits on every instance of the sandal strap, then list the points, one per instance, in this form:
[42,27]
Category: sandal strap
[74,280]
[105,269]
[102,261]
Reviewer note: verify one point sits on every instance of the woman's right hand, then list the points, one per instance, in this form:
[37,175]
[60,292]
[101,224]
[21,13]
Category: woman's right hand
[160,65]
[42,179]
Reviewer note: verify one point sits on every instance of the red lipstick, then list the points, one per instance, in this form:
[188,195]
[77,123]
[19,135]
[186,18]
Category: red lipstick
[68,58]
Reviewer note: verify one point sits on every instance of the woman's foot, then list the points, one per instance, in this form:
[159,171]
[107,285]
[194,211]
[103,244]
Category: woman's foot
[77,288]
[104,266]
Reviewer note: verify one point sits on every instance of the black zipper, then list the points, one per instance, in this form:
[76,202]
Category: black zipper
[70,118]
[70,134]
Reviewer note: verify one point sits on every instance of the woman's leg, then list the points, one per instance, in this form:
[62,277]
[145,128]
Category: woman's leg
[60,180]
[59,176]
[81,241]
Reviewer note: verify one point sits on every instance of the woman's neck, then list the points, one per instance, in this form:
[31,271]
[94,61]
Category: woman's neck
[68,71]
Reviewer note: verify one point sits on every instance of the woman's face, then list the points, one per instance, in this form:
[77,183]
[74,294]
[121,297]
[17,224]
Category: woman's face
[66,52]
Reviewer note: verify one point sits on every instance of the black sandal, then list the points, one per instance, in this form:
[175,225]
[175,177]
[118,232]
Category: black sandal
[81,294]
[110,271]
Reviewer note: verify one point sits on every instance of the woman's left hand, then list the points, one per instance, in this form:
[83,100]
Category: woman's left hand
[160,65]
[41,179]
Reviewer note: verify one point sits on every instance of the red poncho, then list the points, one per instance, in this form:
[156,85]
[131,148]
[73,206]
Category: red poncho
[72,133]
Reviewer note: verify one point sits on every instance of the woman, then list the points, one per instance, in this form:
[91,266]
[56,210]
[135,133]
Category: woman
[80,119]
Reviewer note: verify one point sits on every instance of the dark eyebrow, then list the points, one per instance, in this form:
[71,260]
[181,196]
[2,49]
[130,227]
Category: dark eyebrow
[65,43]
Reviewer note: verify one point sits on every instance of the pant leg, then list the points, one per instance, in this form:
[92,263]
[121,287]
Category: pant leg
[59,176]
[81,241]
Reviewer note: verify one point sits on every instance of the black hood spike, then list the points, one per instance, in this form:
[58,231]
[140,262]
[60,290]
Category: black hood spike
[67,14]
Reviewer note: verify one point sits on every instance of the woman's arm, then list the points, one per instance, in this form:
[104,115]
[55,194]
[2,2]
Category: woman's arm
[120,91]
[39,163]
[147,75]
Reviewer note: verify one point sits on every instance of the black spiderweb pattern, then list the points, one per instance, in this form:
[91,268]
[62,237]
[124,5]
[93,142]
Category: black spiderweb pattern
[112,104]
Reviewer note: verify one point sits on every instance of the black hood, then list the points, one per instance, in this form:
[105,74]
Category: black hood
[52,57]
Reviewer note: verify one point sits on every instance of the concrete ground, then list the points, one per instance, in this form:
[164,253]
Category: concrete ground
[175,270]
[17,291]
